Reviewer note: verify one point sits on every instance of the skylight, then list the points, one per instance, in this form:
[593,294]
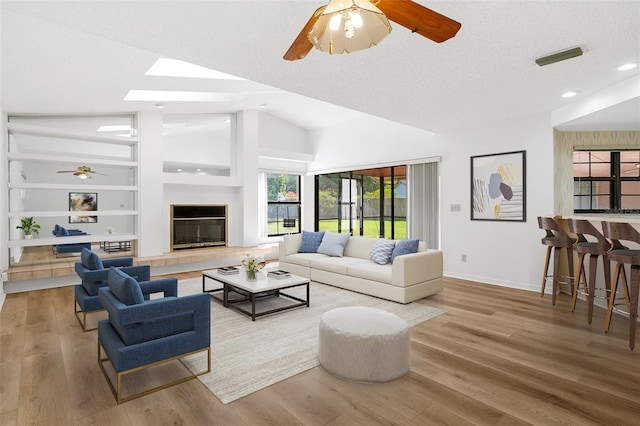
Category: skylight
[166,67]
[115,128]
[181,96]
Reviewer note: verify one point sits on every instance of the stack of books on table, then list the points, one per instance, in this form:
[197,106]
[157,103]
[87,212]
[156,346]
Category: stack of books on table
[278,274]
[228,270]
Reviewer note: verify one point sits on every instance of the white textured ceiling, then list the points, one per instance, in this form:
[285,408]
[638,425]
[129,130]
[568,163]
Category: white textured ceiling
[78,57]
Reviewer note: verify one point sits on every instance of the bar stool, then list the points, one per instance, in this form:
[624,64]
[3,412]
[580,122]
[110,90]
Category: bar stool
[594,249]
[557,240]
[615,232]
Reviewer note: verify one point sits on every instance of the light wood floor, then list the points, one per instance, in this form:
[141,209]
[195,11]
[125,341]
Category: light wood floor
[497,356]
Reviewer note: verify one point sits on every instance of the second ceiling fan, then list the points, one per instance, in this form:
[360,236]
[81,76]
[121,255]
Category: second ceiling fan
[83,172]
[344,26]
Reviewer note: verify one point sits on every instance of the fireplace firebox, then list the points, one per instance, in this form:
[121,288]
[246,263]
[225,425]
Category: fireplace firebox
[197,226]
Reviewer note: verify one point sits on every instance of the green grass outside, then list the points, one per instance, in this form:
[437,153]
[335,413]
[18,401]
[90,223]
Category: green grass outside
[371,227]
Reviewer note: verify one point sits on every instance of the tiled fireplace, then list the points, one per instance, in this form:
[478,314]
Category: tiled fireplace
[198,225]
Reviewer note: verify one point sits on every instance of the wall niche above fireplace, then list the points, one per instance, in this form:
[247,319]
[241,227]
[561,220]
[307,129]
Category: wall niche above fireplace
[198,226]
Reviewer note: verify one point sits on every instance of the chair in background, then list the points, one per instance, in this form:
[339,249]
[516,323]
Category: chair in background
[557,239]
[94,273]
[616,232]
[142,332]
[58,249]
[594,249]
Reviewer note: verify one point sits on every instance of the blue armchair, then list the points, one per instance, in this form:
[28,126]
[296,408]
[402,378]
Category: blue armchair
[143,332]
[94,273]
[60,231]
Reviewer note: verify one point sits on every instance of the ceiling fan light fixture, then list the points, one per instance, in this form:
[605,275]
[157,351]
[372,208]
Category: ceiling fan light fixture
[346,26]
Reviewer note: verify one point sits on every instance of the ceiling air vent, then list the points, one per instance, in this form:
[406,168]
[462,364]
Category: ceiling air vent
[559,56]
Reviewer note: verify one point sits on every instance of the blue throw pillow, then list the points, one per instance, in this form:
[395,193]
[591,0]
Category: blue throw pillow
[381,251]
[63,232]
[124,287]
[310,242]
[90,260]
[333,244]
[403,247]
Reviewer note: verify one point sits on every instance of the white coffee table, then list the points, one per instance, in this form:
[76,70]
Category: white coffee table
[258,298]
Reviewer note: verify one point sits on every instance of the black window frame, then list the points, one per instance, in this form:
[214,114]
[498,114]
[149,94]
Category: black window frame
[285,203]
[615,181]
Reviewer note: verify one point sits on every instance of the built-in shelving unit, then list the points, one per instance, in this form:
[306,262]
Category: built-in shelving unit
[40,147]
[92,238]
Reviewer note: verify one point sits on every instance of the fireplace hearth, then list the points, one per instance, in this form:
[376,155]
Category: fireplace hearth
[198,226]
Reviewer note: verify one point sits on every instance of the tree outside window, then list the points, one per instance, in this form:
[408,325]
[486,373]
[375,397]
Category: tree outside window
[283,204]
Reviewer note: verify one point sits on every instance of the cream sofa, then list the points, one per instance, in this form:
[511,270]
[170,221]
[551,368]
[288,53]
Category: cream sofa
[410,277]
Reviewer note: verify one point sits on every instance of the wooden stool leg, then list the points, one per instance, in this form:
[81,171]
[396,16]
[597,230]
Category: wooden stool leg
[612,296]
[576,284]
[545,271]
[556,273]
[606,263]
[571,270]
[593,266]
[633,299]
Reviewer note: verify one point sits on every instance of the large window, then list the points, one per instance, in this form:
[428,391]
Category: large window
[606,181]
[370,202]
[283,204]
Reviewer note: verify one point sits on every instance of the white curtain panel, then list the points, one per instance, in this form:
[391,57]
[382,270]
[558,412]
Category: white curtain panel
[423,221]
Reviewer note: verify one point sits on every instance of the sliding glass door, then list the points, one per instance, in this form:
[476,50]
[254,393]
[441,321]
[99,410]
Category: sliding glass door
[370,202]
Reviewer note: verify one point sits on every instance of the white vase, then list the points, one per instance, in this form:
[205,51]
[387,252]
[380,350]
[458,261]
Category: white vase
[28,237]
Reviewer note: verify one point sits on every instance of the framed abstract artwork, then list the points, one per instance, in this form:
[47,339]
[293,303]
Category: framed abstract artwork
[83,202]
[498,187]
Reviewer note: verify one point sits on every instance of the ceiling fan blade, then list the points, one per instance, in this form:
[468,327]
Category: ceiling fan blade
[301,45]
[96,173]
[419,19]
[67,171]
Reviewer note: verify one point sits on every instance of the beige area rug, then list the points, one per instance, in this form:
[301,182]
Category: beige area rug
[247,356]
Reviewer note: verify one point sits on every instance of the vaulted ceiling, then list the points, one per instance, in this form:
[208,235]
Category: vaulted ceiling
[81,56]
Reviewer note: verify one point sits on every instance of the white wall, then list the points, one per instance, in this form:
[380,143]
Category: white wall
[508,254]
[281,135]
[4,252]
[366,142]
[283,147]
[150,190]
[206,142]
[505,253]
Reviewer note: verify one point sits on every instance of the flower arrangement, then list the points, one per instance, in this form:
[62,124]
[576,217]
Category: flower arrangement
[252,265]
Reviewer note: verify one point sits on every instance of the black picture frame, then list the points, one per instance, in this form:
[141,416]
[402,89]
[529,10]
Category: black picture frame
[83,202]
[498,187]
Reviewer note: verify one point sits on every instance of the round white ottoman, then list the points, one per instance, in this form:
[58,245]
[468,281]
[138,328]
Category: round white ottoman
[364,344]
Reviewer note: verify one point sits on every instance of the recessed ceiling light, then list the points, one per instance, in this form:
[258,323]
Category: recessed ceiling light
[228,120]
[569,94]
[180,96]
[264,105]
[159,106]
[627,67]
[197,170]
[166,67]
[179,170]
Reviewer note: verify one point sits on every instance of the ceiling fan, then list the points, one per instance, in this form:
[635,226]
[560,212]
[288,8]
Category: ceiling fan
[334,28]
[83,172]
